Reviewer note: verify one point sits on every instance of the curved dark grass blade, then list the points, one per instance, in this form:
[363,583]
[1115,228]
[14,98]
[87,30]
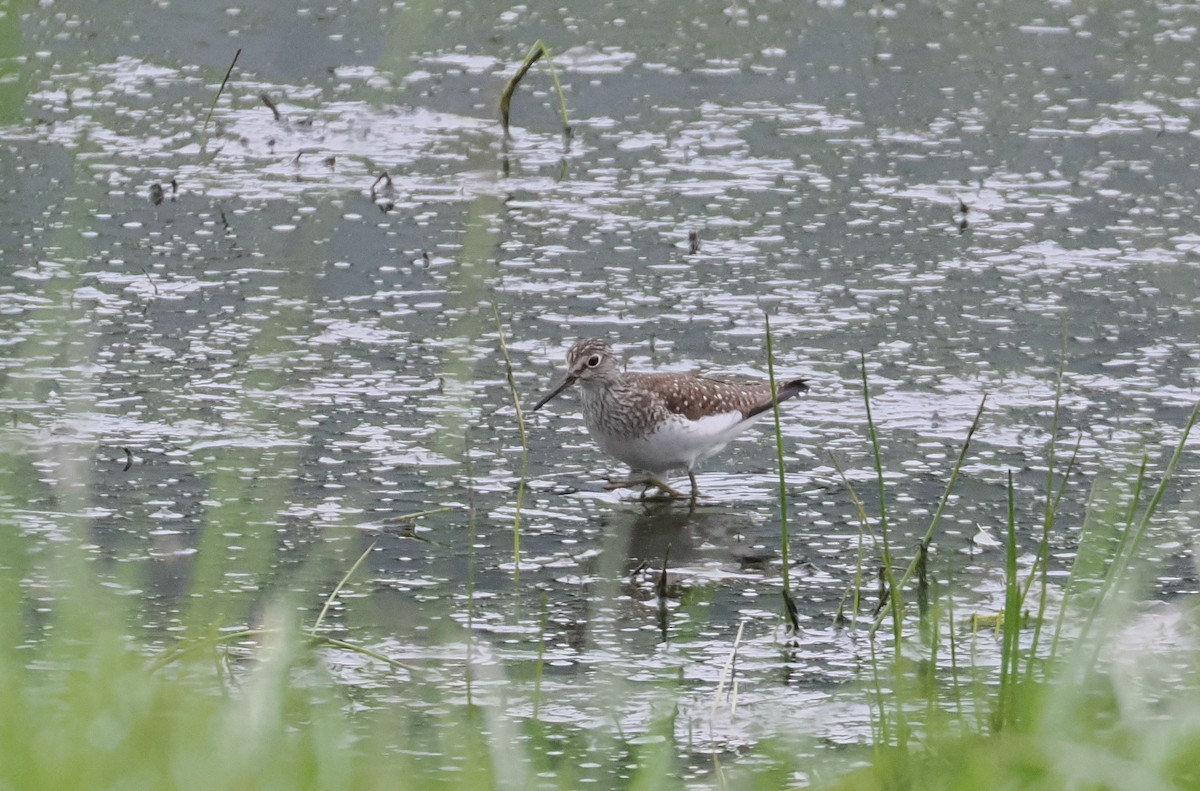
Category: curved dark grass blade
[789,605]
[217,98]
[536,53]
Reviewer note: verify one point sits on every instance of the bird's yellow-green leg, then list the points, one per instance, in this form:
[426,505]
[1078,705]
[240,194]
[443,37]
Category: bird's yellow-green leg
[648,481]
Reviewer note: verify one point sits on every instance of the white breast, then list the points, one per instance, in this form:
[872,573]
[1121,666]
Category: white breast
[676,444]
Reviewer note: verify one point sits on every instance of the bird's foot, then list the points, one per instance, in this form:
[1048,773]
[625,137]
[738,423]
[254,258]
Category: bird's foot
[650,483]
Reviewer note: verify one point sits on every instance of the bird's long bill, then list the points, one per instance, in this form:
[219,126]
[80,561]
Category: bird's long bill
[570,380]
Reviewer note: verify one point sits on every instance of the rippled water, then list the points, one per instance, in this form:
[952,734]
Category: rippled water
[295,350]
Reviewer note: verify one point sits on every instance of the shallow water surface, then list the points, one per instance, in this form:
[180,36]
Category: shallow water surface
[238,353]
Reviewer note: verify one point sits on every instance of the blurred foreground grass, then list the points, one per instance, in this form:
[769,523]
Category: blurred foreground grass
[85,702]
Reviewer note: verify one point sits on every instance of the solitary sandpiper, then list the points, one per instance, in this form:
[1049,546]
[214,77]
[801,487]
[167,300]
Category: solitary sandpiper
[659,422]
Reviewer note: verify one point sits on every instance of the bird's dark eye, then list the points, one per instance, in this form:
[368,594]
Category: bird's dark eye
[593,361]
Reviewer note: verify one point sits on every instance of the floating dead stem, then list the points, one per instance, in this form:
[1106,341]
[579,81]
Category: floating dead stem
[536,53]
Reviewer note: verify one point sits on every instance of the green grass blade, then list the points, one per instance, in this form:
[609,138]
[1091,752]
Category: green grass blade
[1011,631]
[512,388]
[341,584]
[889,573]
[789,604]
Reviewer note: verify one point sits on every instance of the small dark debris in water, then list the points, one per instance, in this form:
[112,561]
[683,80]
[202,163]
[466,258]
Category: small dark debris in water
[156,193]
[935,419]
[296,159]
[693,242]
[962,211]
[128,459]
[270,106]
[961,214]
[271,144]
[304,123]
[384,197]
[174,188]
[329,162]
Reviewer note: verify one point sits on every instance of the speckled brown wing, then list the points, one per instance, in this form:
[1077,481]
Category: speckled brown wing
[695,396]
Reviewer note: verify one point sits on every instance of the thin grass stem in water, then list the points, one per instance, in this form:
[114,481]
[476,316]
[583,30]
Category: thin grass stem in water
[864,528]
[217,98]
[512,388]
[1011,627]
[341,583]
[789,605]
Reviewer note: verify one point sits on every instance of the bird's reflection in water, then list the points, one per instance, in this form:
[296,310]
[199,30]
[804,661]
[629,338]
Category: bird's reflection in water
[650,542]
